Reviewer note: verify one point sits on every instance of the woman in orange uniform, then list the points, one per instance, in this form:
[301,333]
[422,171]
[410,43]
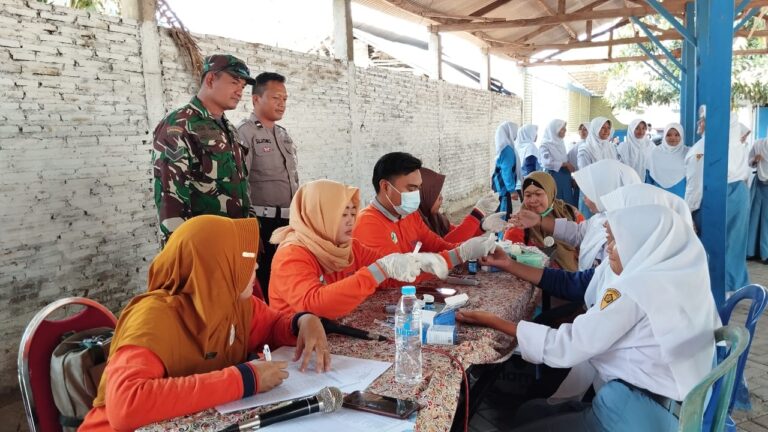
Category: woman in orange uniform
[320,268]
[539,192]
[182,347]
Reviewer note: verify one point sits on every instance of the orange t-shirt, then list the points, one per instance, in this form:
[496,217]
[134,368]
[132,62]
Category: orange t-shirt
[468,228]
[139,392]
[298,283]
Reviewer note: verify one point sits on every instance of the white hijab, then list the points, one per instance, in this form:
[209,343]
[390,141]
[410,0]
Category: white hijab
[552,142]
[761,147]
[665,272]
[505,136]
[603,177]
[634,151]
[596,180]
[738,166]
[645,194]
[526,138]
[666,165]
[597,148]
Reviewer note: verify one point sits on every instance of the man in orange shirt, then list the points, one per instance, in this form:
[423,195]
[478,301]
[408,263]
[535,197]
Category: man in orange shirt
[391,223]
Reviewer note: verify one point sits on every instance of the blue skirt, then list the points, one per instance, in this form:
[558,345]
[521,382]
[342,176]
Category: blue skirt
[757,239]
[736,229]
[564,185]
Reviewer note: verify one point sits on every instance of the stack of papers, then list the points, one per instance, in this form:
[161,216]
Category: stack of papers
[347,373]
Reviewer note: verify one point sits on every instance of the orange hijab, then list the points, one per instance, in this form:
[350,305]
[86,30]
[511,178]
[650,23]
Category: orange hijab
[192,316]
[316,212]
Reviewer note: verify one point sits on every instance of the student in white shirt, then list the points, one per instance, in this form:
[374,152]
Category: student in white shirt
[554,160]
[666,162]
[598,146]
[757,241]
[737,216]
[635,148]
[643,346]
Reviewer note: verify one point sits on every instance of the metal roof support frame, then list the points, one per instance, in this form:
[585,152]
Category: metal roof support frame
[666,72]
[658,43]
[688,79]
[658,7]
[663,76]
[714,32]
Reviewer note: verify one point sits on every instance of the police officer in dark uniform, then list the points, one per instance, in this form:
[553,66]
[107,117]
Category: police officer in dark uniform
[272,165]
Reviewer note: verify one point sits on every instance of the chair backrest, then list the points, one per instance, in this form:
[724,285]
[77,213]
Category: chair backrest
[692,412]
[40,338]
[757,294]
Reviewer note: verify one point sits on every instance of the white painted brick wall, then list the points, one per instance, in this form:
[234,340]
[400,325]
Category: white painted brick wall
[75,176]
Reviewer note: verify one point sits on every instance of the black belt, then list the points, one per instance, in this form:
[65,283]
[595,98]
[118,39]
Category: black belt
[668,404]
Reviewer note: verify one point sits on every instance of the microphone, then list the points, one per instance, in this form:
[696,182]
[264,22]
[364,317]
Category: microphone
[327,400]
[332,326]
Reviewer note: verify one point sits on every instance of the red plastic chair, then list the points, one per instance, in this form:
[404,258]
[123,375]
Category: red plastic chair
[40,338]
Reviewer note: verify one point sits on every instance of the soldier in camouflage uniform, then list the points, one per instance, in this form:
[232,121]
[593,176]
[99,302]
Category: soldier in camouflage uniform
[198,158]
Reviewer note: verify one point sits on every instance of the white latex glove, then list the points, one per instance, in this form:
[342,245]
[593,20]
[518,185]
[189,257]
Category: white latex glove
[433,263]
[477,247]
[403,267]
[494,222]
[488,204]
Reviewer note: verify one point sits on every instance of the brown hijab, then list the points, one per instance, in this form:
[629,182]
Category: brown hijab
[192,316]
[566,256]
[316,212]
[431,186]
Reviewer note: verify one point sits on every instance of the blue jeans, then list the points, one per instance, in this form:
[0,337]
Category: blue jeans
[615,407]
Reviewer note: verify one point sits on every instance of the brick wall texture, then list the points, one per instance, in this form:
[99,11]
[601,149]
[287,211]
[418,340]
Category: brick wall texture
[78,217]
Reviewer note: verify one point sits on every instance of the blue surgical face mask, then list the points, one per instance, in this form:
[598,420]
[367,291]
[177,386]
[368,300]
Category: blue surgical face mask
[409,201]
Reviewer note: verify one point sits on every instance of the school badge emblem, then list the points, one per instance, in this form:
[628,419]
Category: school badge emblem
[393,236]
[610,296]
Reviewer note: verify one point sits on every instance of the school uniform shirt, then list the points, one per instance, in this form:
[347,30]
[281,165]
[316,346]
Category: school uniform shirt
[589,236]
[299,284]
[641,330]
[594,148]
[140,392]
[666,164]
[634,151]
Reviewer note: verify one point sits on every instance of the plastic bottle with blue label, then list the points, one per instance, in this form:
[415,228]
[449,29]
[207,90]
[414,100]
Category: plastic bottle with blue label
[408,337]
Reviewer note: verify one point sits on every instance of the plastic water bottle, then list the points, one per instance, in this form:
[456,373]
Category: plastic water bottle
[408,337]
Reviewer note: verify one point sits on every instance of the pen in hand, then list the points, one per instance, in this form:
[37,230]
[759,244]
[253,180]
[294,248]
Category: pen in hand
[267,353]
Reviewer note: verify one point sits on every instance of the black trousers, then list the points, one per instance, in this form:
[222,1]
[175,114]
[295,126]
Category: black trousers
[266,227]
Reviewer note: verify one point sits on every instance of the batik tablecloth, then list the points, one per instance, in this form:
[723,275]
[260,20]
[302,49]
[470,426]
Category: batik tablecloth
[438,393]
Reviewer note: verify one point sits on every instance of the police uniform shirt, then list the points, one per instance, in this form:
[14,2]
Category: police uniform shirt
[272,164]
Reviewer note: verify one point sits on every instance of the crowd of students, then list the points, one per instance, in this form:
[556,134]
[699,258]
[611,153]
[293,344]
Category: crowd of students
[625,253]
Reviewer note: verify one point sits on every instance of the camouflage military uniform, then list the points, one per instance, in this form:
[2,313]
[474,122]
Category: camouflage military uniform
[199,167]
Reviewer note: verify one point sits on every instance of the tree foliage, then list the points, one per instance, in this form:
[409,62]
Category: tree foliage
[635,85]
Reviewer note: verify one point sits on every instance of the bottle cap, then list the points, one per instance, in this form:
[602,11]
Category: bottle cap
[408,290]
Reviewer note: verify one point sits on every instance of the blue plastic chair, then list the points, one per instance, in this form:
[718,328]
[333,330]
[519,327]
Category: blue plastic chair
[759,298]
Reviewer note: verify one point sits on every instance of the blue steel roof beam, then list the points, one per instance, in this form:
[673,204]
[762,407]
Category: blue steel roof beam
[658,43]
[662,75]
[748,16]
[660,64]
[740,7]
[661,10]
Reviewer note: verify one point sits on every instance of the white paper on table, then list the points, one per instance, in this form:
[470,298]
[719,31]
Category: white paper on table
[344,420]
[347,373]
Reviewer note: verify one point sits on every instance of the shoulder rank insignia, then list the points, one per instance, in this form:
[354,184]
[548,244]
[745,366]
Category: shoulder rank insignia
[610,296]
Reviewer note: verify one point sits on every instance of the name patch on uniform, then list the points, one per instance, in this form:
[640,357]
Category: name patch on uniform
[610,296]
[174,130]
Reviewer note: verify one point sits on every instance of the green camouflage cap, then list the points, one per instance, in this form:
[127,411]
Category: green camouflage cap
[228,63]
